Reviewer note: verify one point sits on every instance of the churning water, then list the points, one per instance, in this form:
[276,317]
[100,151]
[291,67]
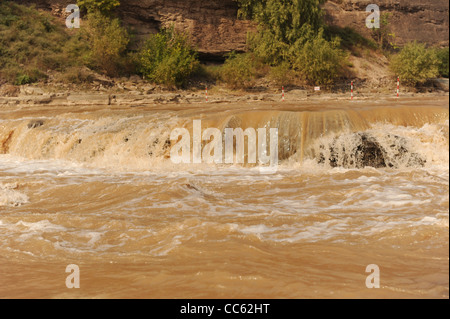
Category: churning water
[356,184]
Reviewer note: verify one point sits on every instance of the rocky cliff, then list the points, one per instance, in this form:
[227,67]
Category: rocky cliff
[216,30]
[422,20]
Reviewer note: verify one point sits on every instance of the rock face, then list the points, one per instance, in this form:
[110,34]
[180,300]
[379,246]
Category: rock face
[213,24]
[422,20]
[215,29]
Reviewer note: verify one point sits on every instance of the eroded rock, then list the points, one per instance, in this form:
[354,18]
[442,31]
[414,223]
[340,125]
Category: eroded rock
[361,150]
[35,124]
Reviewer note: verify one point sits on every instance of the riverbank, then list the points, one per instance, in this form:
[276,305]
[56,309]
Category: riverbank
[134,92]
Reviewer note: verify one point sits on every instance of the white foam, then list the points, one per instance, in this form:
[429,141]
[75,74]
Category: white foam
[43,226]
[11,197]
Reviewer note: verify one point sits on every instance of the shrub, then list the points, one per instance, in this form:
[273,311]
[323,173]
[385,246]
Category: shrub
[266,46]
[319,62]
[23,79]
[281,24]
[282,74]
[290,35]
[168,58]
[284,18]
[443,64]
[384,35]
[107,41]
[415,64]
[239,70]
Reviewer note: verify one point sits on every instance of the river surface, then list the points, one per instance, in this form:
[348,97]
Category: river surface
[96,187]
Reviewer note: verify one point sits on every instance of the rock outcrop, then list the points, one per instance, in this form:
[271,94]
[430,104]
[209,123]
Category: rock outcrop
[213,25]
[361,150]
[215,29]
[422,20]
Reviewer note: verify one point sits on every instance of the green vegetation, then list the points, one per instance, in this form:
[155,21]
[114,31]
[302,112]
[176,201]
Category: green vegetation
[292,46]
[107,42]
[168,58]
[282,23]
[383,35]
[291,35]
[33,43]
[319,61]
[415,63]
[239,70]
[30,44]
[283,74]
[103,6]
[443,61]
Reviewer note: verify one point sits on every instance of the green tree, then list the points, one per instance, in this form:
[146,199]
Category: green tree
[281,24]
[318,61]
[443,58]
[168,58]
[107,41]
[239,70]
[415,63]
[284,17]
[384,35]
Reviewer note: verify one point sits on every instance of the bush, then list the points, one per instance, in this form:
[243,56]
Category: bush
[168,58]
[239,70]
[282,74]
[281,24]
[267,47]
[443,57]
[290,36]
[23,79]
[415,64]
[107,41]
[319,62]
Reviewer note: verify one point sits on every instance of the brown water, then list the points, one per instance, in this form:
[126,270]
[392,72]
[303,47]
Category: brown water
[95,187]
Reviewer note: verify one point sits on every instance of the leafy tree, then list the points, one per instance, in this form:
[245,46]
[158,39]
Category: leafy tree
[415,63]
[168,58]
[443,58]
[284,17]
[107,41]
[281,24]
[318,61]
[239,70]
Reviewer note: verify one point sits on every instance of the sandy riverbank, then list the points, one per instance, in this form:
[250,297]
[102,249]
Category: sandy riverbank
[135,93]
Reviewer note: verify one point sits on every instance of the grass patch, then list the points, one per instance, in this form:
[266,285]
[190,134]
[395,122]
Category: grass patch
[32,42]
